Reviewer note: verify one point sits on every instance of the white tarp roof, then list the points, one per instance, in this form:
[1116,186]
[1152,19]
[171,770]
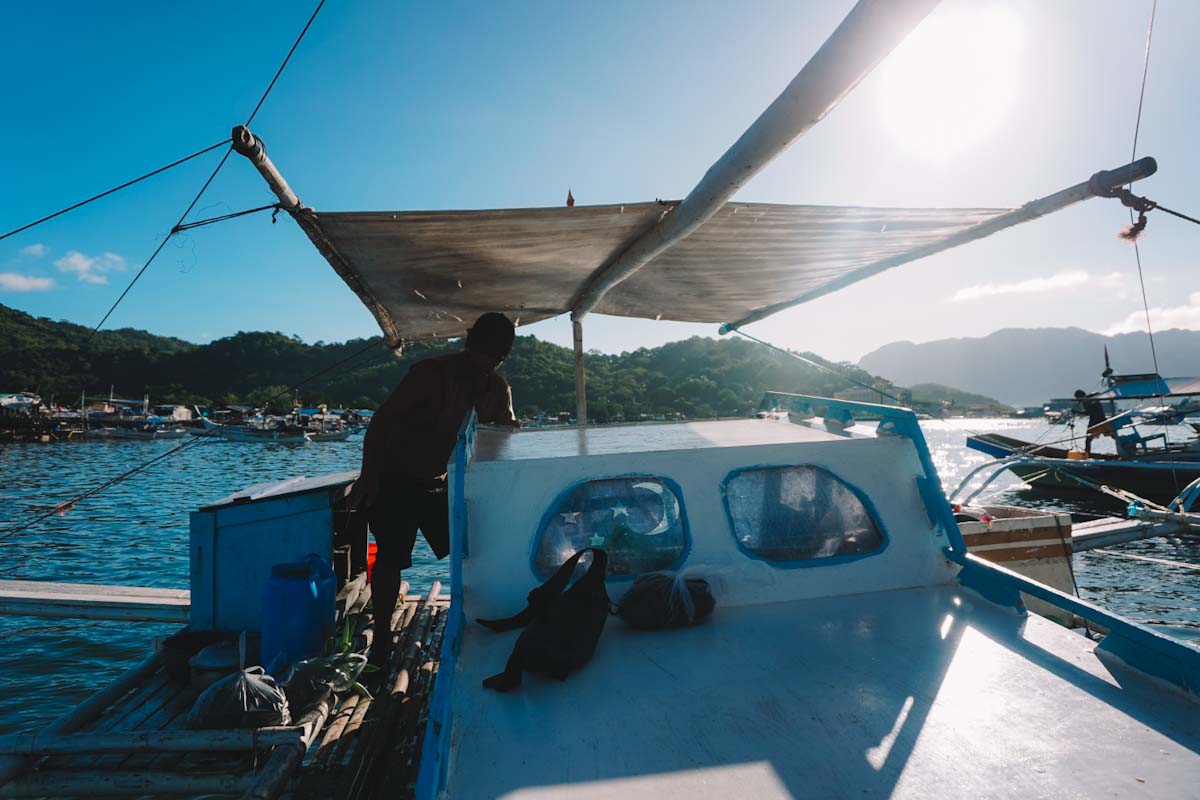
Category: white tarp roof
[429,274]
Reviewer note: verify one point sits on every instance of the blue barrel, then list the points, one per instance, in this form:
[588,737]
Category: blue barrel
[326,589]
[293,622]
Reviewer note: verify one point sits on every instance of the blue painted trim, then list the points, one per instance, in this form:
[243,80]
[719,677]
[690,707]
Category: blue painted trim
[563,495]
[807,563]
[435,748]
[1139,646]
[893,420]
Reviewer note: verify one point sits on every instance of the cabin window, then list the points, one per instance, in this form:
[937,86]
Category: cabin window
[637,521]
[799,514]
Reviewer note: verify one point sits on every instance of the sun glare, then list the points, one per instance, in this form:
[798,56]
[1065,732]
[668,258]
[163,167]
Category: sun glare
[949,84]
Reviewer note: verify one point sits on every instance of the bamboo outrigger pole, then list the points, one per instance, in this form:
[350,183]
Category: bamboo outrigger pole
[865,37]
[252,148]
[1099,185]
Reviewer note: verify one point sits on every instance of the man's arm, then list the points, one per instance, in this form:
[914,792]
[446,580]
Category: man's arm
[495,407]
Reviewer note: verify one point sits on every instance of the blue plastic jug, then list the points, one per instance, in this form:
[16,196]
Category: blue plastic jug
[326,589]
[293,622]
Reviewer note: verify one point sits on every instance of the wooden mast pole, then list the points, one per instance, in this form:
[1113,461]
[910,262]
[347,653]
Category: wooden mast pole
[865,37]
[581,416]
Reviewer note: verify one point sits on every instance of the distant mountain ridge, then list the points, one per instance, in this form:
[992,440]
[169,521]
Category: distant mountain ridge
[1027,366]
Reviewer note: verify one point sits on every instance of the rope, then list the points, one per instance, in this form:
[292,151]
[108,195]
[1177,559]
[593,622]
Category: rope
[819,365]
[288,58]
[1135,228]
[1137,127]
[69,504]
[200,223]
[124,185]
[176,227]
[159,249]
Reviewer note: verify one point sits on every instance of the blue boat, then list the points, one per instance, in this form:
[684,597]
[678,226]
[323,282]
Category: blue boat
[1144,463]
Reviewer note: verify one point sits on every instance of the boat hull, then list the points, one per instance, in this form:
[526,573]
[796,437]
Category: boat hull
[1159,481]
[331,436]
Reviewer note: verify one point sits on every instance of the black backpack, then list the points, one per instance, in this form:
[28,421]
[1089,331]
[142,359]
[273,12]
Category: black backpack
[561,627]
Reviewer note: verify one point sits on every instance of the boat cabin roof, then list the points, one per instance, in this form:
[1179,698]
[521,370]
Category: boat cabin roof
[501,444]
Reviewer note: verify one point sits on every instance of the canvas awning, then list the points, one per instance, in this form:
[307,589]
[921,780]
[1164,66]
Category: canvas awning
[429,274]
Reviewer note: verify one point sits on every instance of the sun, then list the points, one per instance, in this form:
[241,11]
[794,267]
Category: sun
[951,81]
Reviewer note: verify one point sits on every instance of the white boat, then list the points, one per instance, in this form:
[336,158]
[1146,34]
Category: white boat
[857,650]
[331,436]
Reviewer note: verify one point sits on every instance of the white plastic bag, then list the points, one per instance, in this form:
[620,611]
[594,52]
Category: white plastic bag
[249,698]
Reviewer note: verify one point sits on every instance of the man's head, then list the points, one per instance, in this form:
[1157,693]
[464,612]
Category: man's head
[491,336]
[1080,394]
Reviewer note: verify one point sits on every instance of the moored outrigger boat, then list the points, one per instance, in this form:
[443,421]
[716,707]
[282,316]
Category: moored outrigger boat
[858,649]
[1144,463]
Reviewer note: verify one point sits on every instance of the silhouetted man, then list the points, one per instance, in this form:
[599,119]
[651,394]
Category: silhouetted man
[1098,424]
[402,486]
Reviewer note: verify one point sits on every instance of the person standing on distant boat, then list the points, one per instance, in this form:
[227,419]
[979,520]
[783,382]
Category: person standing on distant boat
[1098,424]
[402,485]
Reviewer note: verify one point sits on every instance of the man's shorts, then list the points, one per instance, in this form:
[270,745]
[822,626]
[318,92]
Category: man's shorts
[1101,429]
[398,512]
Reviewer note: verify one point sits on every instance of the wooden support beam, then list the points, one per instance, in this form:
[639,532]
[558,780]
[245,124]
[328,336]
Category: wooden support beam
[92,601]
[149,741]
[581,413]
[108,783]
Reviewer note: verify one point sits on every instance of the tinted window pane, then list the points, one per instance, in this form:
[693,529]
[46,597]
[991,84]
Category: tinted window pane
[638,521]
[799,514]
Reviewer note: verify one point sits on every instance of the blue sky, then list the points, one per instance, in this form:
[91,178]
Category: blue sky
[399,106]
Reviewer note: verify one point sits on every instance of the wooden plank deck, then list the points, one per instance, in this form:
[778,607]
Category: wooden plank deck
[94,601]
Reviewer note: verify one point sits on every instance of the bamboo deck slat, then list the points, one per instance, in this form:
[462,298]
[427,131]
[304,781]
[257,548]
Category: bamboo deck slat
[134,739]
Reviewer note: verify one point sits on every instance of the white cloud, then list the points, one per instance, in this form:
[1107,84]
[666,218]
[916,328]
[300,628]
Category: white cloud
[35,250]
[15,282]
[90,268]
[1162,318]
[1068,279]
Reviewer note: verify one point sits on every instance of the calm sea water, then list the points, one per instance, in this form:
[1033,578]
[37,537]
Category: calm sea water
[136,533]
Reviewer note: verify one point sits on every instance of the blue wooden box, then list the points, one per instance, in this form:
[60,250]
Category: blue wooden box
[235,541]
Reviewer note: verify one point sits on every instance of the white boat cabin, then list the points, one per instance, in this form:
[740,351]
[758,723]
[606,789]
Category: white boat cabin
[844,659]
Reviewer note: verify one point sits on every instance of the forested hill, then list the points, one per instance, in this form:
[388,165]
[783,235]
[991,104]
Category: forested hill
[697,377]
